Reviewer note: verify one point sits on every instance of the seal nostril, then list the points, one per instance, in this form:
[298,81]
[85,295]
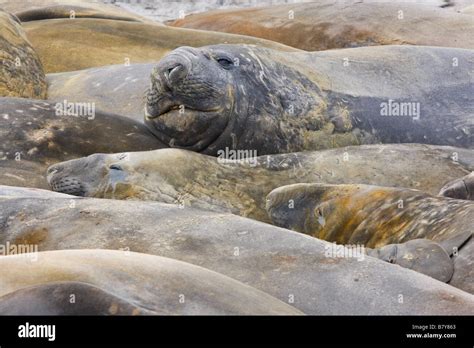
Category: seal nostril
[173,71]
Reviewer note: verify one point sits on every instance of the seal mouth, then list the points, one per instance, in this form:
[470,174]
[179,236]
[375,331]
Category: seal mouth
[69,186]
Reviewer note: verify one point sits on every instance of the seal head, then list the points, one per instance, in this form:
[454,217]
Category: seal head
[206,99]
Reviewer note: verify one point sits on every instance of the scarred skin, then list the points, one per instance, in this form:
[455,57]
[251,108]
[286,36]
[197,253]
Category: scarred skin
[190,179]
[21,71]
[375,216]
[369,215]
[248,98]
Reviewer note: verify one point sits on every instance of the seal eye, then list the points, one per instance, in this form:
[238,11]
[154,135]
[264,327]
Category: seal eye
[115,167]
[226,63]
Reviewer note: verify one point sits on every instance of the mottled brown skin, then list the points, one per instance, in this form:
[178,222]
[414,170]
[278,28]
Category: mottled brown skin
[33,137]
[370,215]
[375,216]
[145,281]
[66,298]
[274,260]
[329,25]
[67,45]
[462,188]
[190,179]
[21,72]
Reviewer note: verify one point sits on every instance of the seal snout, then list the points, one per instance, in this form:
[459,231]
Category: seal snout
[63,184]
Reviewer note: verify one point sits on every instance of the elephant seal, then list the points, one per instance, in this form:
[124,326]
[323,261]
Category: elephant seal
[36,134]
[159,284]
[460,188]
[290,266]
[191,179]
[72,12]
[324,25]
[68,45]
[31,10]
[421,255]
[376,216]
[127,86]
[21,72]
[66,298]
[239,97]
[370,215]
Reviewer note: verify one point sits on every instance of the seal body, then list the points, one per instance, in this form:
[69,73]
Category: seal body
[37,133]
[271,259]
[166,286]
[369,215]
[21,72]
[376,216]
[81,43]
[324,25]
[191,179]
[55,299]
[126,85]
[245,98]
[34,10]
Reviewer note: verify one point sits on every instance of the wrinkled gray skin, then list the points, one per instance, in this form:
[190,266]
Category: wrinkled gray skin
[421,255]
[274,260]
[191,179]
[33,137]
[459,188]
[244,97]
[146,281]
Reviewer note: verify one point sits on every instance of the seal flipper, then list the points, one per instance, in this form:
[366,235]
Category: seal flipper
[462,188]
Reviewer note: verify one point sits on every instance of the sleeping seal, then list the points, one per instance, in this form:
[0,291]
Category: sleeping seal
[240,97]
[375,216]
[191,179]
[36,133]
[158,284]
[289,266]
